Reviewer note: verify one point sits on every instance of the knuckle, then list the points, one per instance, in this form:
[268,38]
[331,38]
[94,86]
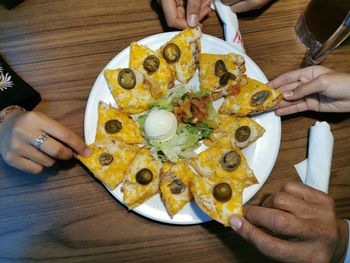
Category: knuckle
[289,186]
[257,4]
[57,151]
[15,145]
[326,232]
[66,135]
[323,80]
[248,231]
[33,116]
[37,169]
[320,257]
[280,223]
[17,129]
[278,200]
[28,118]
[171,23]
[333,236]
[270,249]
[9,158]
[49,163]
[329,200]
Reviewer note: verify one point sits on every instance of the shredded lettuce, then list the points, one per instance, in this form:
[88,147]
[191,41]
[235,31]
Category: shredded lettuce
[212,120]
[182,145]
[141,119]
[174,95]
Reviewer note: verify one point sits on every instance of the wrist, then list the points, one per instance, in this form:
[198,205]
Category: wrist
[341,248]
[4,113]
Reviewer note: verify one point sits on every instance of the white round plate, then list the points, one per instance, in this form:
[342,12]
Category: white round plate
[261,156]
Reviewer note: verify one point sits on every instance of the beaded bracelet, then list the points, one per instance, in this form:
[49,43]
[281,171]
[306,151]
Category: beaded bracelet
[9,109]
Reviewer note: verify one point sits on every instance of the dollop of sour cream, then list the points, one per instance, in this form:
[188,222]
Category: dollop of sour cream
[160,125]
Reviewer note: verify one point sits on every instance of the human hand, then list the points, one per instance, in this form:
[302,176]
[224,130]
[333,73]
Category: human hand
[302,223]
[18,133]
[313,88]
[239,6]
[180,15]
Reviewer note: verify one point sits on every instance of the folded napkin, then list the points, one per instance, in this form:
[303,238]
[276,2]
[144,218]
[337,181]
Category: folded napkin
[316,169]
[230,22]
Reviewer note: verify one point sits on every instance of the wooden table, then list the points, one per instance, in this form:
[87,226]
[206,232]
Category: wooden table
[64,214]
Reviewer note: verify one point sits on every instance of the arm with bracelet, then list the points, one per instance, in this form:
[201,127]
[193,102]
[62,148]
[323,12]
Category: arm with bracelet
[30,140]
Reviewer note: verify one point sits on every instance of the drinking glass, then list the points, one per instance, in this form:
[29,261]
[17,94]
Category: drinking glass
[322,27]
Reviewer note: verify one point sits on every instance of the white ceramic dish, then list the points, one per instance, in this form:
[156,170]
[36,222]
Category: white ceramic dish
[261,156]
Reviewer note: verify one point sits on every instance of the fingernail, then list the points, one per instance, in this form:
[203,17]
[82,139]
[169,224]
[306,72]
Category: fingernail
[193,20]
[87,152]
[287,93]
[236,222]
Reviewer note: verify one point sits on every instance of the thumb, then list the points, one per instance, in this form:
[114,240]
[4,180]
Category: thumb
[248,231]
[193,11]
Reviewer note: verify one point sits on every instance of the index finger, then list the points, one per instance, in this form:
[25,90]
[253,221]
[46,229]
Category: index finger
[171,15]
[285,78]
[305,192]
[279,221]
[204,9]
[303,75]
[65,135]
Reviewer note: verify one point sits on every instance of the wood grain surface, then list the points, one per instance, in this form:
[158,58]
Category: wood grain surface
[64,214]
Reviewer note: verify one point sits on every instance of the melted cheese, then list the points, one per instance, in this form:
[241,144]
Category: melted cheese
[131,101]
[202,189]
[207,164]
[113,173]
[130,131]
[240,105]
[225,132]
[209,81]
[175,202]
[135,193]
[160,80]
[188,42]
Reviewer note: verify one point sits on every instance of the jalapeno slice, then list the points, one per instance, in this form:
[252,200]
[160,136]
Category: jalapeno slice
[177,186]
[242,133]
[171,53]
[105,158]
[260,97]
[224,79]
[144,176]
[232,76]
[222,192]
[113,126]
[151,63]
[220,68]
[230,161]
[127,78]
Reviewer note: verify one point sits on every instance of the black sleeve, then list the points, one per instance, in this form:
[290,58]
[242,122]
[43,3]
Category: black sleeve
[14,90]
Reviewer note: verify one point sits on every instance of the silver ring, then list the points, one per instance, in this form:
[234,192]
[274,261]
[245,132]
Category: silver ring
[40,140]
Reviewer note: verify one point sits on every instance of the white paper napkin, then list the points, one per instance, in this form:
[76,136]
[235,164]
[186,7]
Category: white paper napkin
[231,26]
[316,169]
